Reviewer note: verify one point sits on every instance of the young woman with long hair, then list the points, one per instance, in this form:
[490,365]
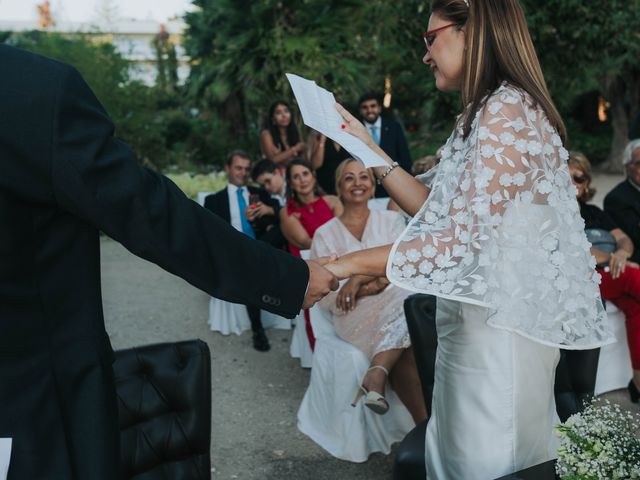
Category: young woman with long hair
[280,141]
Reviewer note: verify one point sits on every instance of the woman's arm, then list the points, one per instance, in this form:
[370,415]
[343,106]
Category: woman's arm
[293,230]
[618,259]
[335,204]
[402,187]
[317,150]
[272,152]
[371,262]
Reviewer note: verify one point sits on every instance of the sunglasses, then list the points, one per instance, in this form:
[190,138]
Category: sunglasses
[579,179]
[430,36]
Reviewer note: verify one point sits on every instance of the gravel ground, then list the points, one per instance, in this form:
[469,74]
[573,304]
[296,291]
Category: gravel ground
[255,395]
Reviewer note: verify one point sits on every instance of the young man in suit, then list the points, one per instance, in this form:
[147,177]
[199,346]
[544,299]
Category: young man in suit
[623,202]
[258,220]
[386,132]
[63,179]
[266,174]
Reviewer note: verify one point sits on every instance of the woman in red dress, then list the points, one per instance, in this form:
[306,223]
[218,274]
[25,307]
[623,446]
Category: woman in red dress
[306,210]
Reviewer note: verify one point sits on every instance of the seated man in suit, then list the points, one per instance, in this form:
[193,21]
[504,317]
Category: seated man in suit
[623,202]
[386,132]
[251,211]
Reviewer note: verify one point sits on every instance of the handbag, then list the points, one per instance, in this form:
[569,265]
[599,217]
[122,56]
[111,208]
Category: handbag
[602,240]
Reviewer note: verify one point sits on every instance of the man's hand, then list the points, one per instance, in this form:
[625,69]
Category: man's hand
[258,210]
[321,281]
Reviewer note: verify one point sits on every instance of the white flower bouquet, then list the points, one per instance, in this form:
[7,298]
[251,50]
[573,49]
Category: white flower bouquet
[599,443]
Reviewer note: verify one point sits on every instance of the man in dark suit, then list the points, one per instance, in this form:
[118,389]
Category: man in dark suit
[623,202]
[386,132]
[251,211]
[63,178]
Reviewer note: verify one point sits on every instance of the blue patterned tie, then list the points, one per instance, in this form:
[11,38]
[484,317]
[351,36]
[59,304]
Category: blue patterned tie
[374,135]
[246,226]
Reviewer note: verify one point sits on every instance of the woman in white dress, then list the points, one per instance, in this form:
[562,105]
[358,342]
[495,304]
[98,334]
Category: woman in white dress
[366,311]
[497,237]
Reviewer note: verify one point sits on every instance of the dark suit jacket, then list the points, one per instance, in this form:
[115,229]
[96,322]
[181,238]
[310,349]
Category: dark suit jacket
[623,205]
[394,144]
[63,178]
[218,203]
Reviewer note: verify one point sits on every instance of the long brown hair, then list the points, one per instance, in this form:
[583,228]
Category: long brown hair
[291,193]
[498,47]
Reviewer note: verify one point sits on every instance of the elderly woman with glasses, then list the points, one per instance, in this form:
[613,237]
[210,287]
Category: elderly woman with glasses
[612,249]
[498,239]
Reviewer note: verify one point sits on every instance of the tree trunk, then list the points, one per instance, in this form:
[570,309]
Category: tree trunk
[233,113]
[613,90]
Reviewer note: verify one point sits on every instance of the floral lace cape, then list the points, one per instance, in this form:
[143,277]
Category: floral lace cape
[501,228]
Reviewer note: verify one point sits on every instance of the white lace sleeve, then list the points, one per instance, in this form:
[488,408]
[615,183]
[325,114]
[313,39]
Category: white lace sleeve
[501,228]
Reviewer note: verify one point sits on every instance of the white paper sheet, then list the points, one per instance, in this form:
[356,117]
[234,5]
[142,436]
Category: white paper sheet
[318,110]
[5,456]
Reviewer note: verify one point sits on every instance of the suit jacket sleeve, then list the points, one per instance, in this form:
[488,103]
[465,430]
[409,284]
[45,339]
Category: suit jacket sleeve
[402,148]
[97,178]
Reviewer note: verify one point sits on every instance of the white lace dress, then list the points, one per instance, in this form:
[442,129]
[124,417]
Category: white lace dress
[501,242]
[377,323]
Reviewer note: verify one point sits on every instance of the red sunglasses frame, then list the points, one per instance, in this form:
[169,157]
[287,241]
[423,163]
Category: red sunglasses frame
[428,33]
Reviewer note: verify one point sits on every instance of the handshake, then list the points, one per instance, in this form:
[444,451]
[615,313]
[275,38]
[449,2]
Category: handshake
[324,274]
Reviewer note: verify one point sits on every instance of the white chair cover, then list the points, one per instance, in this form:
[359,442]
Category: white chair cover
[300,347]
[271,320]
[614,364]
[326,415]
[227,318]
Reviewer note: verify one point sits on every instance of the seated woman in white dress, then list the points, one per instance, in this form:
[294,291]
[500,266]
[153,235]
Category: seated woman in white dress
[368,312]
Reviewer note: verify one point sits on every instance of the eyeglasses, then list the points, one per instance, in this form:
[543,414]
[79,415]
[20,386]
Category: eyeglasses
[634,164]
[430,36]
[579,179]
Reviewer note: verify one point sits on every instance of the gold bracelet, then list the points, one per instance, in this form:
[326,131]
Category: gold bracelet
[387,172]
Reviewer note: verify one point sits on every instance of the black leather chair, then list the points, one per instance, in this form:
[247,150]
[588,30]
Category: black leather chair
[164,408]
[575,380]
[420,312]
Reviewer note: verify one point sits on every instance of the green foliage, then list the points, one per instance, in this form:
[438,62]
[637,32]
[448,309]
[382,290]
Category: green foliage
[191,184]
[99,63]
[241,51]
[585,46]
[156,122]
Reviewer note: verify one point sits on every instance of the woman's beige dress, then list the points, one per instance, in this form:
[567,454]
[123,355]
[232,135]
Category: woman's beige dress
[377,323]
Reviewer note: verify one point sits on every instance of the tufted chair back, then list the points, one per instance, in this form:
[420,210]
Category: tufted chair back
[164,409]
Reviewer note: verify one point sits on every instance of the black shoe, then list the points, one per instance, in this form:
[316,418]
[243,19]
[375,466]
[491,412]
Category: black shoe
[260,341]
[634,393]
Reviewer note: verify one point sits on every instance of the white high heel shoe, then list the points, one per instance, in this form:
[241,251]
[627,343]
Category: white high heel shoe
[372,400]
